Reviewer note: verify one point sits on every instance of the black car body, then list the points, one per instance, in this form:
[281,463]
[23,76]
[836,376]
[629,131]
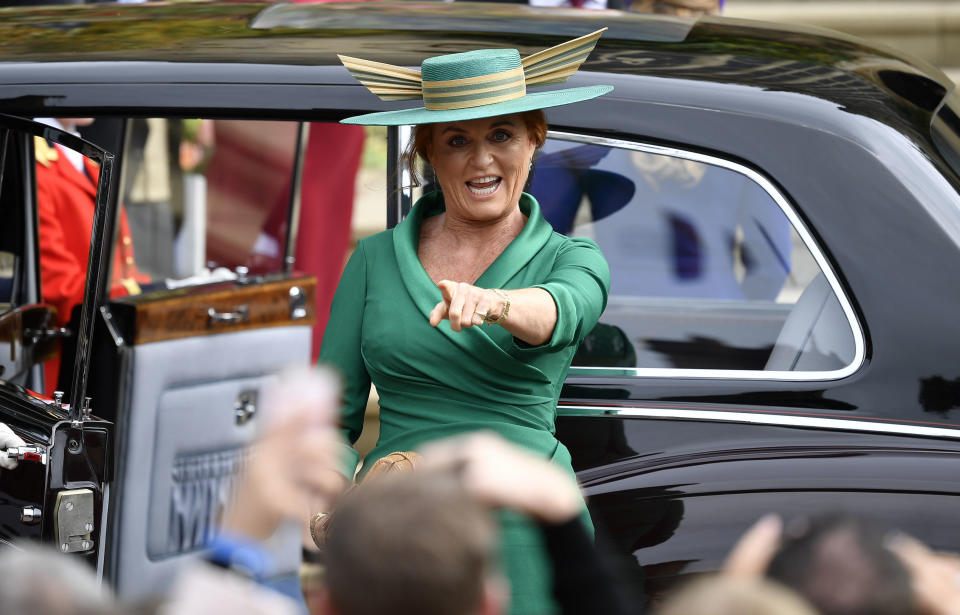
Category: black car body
[690,412]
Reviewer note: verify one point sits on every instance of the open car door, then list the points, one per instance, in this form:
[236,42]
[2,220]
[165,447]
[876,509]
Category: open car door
[158,360]
[182,356]
[58,492]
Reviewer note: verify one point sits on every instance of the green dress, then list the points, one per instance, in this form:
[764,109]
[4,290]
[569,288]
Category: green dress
[434,382]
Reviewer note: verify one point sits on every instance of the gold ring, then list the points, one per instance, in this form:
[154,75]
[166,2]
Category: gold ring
[315,522]
[482,315]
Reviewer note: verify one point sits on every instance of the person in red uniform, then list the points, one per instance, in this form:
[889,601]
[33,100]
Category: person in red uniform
[66,197]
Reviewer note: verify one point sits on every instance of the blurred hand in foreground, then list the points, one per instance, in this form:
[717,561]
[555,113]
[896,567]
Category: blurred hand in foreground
[293,463]
[935,577]
[502,475]
[752,554]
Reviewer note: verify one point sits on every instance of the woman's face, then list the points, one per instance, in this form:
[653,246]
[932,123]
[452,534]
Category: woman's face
[482,165]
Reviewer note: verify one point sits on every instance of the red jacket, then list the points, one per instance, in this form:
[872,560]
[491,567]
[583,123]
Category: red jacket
[65,204]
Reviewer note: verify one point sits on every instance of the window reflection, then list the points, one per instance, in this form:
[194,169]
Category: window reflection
[706,269]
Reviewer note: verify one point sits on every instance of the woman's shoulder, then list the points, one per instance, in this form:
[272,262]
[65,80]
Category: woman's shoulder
[564,244]
[382,240]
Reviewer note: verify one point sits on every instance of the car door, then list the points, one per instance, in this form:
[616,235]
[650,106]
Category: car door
[57,493]
[181,354]
[704,397]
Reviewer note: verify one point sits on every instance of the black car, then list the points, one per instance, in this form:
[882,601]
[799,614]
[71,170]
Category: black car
[779,207]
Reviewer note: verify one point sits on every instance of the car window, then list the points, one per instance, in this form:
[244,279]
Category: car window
[708,270]
[204,197]
[59,182]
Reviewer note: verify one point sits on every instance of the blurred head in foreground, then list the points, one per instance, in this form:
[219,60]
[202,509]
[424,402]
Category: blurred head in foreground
[842,566]
[35,581]
[412,544]
[728,596]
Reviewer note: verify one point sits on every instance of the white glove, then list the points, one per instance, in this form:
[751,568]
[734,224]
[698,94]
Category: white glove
[8,439]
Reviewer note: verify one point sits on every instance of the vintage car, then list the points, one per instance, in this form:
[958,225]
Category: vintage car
[779,207]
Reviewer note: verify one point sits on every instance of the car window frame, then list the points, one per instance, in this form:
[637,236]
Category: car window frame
[98,264]
[798,225]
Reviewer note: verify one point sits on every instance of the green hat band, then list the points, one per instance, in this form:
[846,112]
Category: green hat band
[472,79]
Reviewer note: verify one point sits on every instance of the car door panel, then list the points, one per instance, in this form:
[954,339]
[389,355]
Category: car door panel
[188,406]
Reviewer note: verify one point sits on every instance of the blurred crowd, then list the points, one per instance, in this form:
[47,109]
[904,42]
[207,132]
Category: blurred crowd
[417,536]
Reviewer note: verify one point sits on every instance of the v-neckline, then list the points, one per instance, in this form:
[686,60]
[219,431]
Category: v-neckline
[477,342]
[406,241]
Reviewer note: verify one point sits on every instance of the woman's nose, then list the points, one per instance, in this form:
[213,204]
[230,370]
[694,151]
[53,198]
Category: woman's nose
[482,155]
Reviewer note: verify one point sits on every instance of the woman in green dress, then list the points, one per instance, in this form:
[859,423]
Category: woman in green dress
[466,315]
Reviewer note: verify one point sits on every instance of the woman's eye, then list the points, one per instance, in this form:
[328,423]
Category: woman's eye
[457,141]
[501,136]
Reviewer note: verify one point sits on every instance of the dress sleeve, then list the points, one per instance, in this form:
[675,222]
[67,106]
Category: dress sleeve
[579,284]
[341,350]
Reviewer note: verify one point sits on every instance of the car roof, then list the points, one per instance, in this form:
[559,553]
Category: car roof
[251,42]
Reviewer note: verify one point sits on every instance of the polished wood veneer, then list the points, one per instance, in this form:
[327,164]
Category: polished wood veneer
[217,308]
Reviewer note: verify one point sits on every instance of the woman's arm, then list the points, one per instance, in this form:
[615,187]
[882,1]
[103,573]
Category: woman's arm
[557,312]
[341,351]
[532,312]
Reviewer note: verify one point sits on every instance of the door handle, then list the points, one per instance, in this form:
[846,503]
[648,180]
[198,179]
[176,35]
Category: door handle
[240,314]
[28,452]
[245,407]
[32,336]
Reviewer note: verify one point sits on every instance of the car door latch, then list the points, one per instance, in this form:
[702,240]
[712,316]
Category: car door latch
[73,520]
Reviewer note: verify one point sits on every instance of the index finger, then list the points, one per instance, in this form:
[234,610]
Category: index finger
[448,289]
[752,553]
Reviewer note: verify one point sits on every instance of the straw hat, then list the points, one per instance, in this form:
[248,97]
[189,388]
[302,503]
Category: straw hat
[475,84]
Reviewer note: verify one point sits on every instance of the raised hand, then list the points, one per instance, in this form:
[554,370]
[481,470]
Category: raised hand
[464,305]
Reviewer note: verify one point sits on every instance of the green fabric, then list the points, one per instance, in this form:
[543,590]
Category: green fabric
[538,100]
[469,64]
[434,382]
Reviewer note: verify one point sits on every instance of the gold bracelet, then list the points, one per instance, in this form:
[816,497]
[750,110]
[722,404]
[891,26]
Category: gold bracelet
[506,308]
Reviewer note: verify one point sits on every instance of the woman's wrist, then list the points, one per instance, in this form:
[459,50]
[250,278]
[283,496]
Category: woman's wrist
[503,299]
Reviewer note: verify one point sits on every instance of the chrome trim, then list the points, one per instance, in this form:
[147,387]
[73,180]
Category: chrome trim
[660,372]
[760,418]
[96,288]
[101,547]
[399,180]
[296,185]
[110,326]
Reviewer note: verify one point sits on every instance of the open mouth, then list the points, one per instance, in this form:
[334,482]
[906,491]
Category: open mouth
[482,186]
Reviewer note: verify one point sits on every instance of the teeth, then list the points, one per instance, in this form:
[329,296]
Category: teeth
[484,191]
[475,185]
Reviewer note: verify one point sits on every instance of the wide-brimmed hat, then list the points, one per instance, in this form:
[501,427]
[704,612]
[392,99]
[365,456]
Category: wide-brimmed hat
[475,84]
